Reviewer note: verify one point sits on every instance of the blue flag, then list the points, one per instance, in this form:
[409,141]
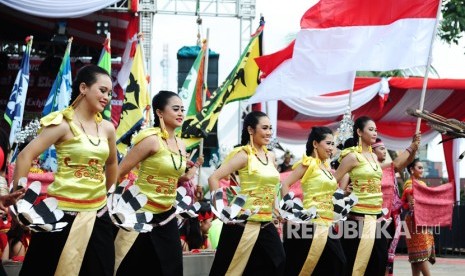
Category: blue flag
[15,108]
[60,94]
[57,100]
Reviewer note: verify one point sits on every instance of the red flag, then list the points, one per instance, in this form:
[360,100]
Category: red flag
[433,205]
[268,63]
[340,13]
[341,37]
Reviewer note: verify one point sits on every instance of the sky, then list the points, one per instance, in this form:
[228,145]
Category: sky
[224,35]
[282,20]
[177,31]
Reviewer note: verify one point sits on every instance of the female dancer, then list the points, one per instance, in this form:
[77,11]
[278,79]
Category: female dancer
[391,197]
[320,254]
[420,245]
[254,247]
[162,163]
[367,255]
[85,145]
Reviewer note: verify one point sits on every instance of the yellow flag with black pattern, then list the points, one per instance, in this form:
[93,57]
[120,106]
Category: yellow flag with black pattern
[135,102]
[239,85]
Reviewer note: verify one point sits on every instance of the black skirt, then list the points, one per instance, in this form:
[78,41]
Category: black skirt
[297,245]
[45,250]
[379,254]
[267,257]
[158,252]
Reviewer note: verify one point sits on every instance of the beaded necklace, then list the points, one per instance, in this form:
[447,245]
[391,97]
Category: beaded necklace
[172,157]
[375,168]
[82,127]
[266,156]
[327,173]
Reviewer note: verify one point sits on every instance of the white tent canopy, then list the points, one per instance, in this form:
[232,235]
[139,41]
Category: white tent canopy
[58,8]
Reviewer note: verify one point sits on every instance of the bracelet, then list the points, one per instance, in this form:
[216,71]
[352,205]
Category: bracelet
[409,149]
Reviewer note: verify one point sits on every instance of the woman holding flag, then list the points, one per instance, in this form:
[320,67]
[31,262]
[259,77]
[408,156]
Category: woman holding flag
[87,167]
[322,253]
[162,159]
[250,244]
[420,245]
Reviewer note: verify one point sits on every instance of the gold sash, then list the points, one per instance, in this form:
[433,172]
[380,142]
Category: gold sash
[123,242]
[244,248]
[365,247]
[75,247]
[316,249]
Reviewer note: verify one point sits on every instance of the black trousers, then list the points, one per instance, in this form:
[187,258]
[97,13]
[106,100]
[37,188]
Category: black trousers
[267,257]
[379,254]
[45,250]
[297,245]
[158,252]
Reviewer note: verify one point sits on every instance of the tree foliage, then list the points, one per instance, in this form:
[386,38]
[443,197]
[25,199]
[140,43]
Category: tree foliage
[453,22]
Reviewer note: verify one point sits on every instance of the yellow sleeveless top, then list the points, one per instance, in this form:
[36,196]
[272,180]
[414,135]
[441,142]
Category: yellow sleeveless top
[366,183]
[158,177]
[79,183]
[408,183]
[318,188]
[258,182]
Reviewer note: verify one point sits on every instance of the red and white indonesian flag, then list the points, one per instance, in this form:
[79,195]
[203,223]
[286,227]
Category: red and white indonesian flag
[340,37]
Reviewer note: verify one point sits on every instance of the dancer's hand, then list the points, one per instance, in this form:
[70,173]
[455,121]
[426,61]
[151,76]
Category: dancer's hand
[343,204]
[39,216]
[229,214]
[123,207]
[184,208]
[10,199]
[416,141]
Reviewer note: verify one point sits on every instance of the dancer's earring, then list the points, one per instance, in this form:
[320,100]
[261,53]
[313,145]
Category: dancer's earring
[164,132]
[360,148]
[316,153]
[162,123]
[78,98]
[251,139]
[98,117]
[82,87]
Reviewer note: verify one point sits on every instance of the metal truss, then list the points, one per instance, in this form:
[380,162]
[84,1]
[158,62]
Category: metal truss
[244,10]
[226,8]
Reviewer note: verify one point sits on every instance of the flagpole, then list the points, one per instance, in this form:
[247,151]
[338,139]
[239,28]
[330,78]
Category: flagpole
[428,65]
[146,111]
[204,96]
[351,91]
